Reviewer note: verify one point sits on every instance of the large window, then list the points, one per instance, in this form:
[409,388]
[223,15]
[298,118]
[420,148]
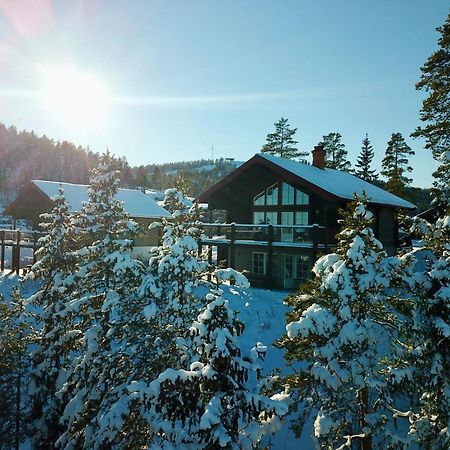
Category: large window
[267,209]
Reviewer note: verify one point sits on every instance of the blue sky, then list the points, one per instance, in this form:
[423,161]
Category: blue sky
[181,76]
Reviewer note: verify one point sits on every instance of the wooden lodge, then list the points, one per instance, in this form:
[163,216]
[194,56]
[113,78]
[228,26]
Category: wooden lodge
[281,214]
[35,199]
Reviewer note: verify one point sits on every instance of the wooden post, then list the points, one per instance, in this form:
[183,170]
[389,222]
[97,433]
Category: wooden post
[209,260]
[270,256]
[315,236]
[232,245]
[18,252]
[2,256]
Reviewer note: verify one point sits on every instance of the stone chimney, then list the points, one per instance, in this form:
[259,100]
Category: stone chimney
[319,156]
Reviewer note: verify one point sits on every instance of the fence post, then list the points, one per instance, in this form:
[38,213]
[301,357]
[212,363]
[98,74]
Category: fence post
[18,252]
[2,257]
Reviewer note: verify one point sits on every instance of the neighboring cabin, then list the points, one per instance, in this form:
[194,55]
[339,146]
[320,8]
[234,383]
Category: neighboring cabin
[35,199]
[300,202]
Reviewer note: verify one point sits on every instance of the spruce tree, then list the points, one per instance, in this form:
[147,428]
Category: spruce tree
[335,152]
[344,327]
[150,324]
[364,162]
[435,81]
[16,335]
[210,402]
[56,262]
[425,366]
[282,143]
[395,164]
[106,277]
[429,332]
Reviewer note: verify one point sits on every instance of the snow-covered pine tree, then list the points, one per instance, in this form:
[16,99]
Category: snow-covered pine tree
[364,161]
[395,164]
[335,152]
[56,263]
[215,400]
[175,269]
[16,335]
[106,277]
[156,319]
[345,335]
[427,367]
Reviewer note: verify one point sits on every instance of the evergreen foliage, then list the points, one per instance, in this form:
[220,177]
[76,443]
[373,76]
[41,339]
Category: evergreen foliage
[344,327]
[210,403]
[335,152]
[56,261]
[395,164]
[16,334]
[282,143]
[435,81]
[429,332]
[105,278]
[364,162]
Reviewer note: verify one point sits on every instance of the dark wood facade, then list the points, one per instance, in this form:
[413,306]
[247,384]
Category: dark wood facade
[236,194]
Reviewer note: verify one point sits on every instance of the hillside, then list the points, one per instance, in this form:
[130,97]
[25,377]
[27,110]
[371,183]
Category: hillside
[25,156]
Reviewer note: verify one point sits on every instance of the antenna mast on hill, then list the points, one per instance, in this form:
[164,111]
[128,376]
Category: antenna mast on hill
[212,152]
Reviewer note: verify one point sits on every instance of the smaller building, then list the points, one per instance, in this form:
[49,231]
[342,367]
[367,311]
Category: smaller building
[282,213]
[35,199]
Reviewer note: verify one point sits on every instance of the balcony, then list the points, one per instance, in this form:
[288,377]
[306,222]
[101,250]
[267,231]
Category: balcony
[306,236]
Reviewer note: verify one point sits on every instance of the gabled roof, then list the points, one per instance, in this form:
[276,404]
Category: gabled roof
[135,202]
[337,184]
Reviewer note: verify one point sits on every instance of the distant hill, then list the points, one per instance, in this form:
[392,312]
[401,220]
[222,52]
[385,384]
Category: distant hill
[25,156]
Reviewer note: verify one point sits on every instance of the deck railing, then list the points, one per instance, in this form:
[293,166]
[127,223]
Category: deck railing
[15,241]
[242,234]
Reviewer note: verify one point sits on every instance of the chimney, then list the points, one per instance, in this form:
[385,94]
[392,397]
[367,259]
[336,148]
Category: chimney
[319,156]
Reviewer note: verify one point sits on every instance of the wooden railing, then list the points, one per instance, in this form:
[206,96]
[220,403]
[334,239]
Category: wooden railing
[241,234]
[15,241]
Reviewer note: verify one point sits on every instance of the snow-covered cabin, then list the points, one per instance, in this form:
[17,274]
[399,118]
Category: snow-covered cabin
[35,199]
[300,201]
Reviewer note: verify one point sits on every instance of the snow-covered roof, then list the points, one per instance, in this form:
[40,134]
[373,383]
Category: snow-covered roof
[339,183]
[135,202]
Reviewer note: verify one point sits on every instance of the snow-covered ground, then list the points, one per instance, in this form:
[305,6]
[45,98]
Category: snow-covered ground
[262,312]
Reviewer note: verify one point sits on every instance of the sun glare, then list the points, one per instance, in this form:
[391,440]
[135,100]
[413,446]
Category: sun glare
[75,98]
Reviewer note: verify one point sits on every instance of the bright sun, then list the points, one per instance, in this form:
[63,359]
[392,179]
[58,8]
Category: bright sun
[75,98]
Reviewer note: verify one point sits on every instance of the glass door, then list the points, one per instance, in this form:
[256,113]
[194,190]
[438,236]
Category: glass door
[288,272]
